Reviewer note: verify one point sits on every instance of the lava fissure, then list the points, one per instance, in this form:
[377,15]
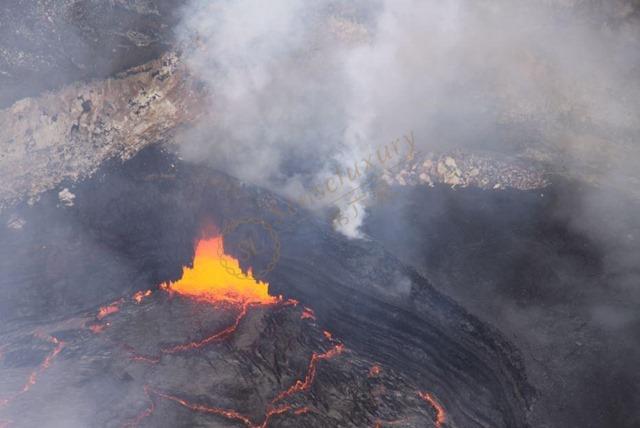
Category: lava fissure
[218,279]
[300,385]
[272,410]
[46,363]
[109,309]
[441,414]
[201,408]
[145,413]
[440,417]
[217,337]
[140,295]
[149,359]
[307,313]
[135,356]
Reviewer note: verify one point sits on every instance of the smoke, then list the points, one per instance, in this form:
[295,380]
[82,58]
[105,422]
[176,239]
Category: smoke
[301,89]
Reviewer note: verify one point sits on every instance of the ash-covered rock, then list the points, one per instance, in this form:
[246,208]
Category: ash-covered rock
[467,169]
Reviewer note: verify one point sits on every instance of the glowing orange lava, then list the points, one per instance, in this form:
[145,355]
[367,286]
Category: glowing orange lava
[140,295]
[221,335]
[97,329]
[109,309]
[300,385]
[217,277]
[271,411]
[375,371]
[226,413]
[307,313]
[145,413]
[441,414]
[46,363]
[229,414]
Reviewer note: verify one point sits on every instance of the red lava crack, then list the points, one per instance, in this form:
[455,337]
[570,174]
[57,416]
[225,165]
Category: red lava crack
[33,377]
[441,414]
[273,410]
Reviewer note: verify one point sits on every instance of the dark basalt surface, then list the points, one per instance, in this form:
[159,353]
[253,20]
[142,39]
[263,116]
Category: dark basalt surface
[133,226]
[100,380]
[555,269]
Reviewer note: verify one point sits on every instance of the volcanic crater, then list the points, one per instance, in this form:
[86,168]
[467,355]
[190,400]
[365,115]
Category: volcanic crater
[303,332]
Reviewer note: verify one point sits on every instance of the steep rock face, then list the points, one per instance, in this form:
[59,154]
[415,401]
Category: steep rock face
[45,44]
[42,40]
[66,135]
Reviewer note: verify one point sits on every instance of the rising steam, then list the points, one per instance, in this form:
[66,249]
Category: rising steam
[302,88]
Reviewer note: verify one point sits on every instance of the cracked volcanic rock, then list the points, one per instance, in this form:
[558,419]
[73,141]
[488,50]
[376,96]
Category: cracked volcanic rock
[268,354]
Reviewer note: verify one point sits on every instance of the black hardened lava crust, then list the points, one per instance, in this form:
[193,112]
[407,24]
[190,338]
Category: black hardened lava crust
[133,225]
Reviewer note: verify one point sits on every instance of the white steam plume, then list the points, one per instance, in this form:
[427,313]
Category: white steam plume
[300,89]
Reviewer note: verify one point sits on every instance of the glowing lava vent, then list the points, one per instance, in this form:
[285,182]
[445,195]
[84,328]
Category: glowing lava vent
[217,277]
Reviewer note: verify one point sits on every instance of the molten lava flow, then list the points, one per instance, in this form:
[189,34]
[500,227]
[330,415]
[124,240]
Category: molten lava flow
[46,363]
[201,408]
[135,356]
[300,386]
[441,414]
[145,413]
[217,277]
[307,313]
[221,335]
[140,295]
[109,309]
[97,328]
[272,409]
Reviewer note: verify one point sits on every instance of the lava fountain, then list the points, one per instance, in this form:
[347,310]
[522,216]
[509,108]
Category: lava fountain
[218,278]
